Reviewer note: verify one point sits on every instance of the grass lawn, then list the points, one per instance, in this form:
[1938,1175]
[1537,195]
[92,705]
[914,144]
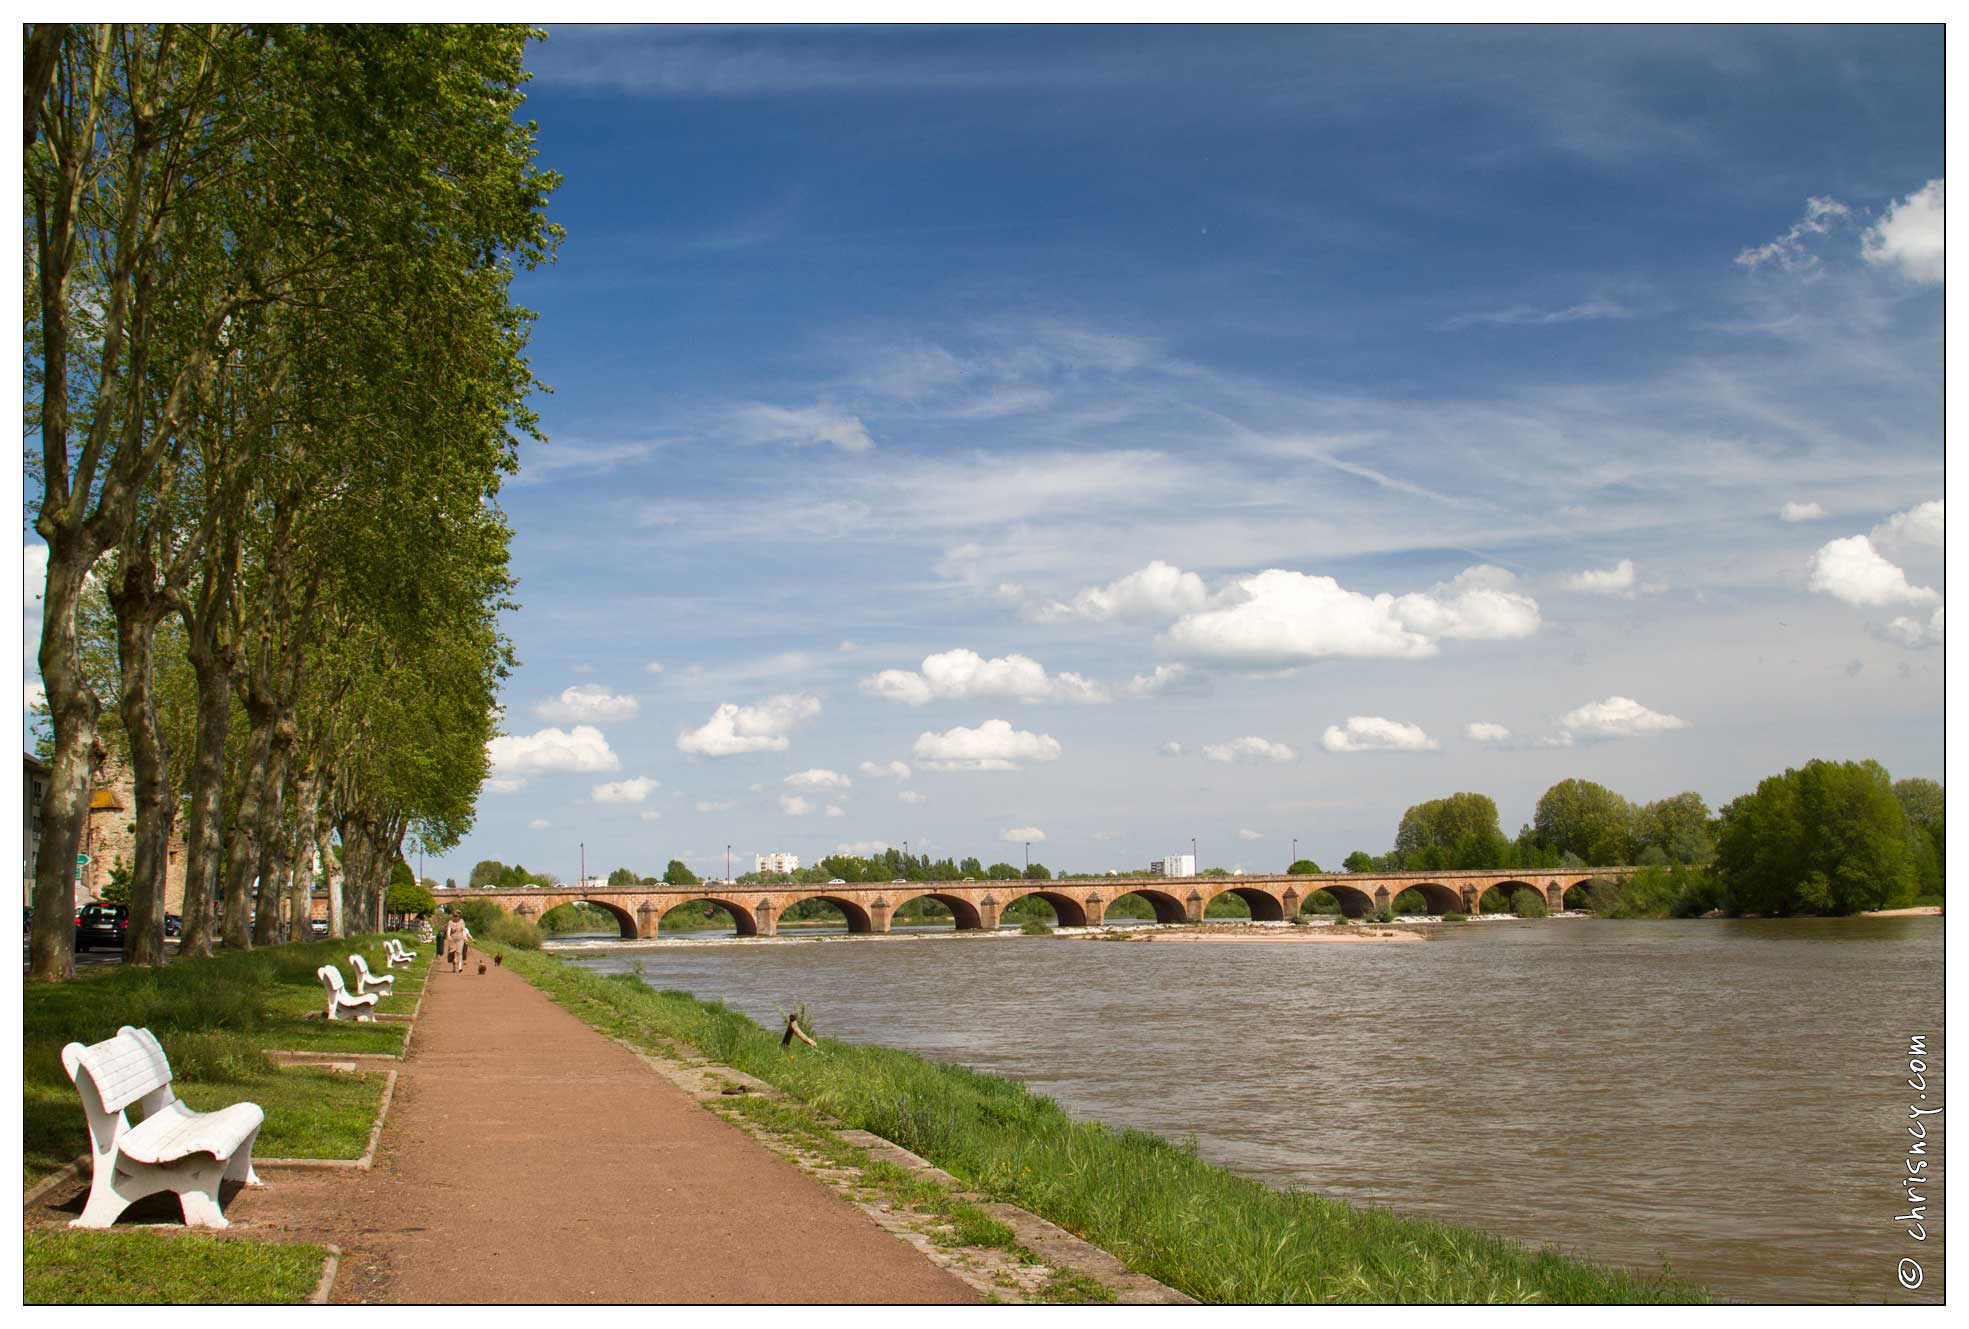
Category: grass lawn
[1162,1210]
[155,1268]
[217,1017]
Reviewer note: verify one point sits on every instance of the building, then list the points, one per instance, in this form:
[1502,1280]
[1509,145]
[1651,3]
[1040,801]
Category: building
[777,863]
[34,784]
[1176,865]
[108,838]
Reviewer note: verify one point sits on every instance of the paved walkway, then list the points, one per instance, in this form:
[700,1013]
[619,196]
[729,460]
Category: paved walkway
[528,1159]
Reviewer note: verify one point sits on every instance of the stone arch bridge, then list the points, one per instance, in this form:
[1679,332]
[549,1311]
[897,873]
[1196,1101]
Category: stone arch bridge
[1082,902]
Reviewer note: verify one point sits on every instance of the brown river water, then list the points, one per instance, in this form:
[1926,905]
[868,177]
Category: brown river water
[1727,1097]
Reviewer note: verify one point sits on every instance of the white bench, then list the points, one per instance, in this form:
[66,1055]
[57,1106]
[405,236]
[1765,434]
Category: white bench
[368,982]
[394,950]
[172,1149]
[340,999]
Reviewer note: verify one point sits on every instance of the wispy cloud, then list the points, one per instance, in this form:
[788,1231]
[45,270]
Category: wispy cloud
[1528,316]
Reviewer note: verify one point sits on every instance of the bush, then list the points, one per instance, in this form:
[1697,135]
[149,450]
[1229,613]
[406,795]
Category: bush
[489,922]
[1527,903]
[1456,918]
[1035,927]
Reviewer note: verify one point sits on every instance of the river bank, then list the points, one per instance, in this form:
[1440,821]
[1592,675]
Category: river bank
[1156,1205]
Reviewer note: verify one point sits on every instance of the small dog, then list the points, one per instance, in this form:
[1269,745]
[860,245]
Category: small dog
[481,966]
[498,960]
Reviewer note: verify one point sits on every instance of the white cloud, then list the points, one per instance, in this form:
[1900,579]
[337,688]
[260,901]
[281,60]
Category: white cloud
[1800,512]
[1853,570]
[1618,717]
[881,770]
[1919,525]
[1789,251]
[589,703]
[964,675]
[582,748]
[734,729]
[1165,677]
[1371,733]
[836,810]
[1246,833]
[794,806]
[1526,316]
[1020,834]
[763,423]
[1616,580]
[625,791]
[1282,618]
[1249,748]
[1160,590]
[651,815]
[1483,731]
[818,778]
[1914,632]
[34,575]
[716,807]
[1171,749]
[653,667]
[1908,236]
[911,796]
[504,785]
[582,668]
[537,824]
[992,746]
[862,848]
[845,647]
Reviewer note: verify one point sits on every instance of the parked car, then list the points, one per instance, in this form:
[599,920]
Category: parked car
[836,881]
[318,926]
[173,925]
[98,924]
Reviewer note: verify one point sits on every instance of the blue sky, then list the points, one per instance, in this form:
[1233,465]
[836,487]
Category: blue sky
[1286,401]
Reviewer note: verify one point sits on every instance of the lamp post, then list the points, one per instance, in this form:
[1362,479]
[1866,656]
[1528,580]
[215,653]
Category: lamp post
[728,862]
[1195,867]
[582,881]
[1295,854]
[1028,858]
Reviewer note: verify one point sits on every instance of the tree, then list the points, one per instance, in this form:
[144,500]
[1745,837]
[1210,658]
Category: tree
[410,897]
[624,877]
[676,874]
[1921,799]
[1827,838]
[1678,826]
[1038,872]
[1003,872]
[117,889]
[1306,866]
[1460,831]
[486,872]
[1586,819]
[1361,861]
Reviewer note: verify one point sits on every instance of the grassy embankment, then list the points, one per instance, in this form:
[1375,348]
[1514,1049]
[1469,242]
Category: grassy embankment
[217,1019]
[1161,1209]
[159,1269]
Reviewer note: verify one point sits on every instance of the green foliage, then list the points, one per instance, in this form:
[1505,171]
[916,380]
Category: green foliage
[1587,820]
[1303,867]
[1921,799]
[1446,834]
[578,917]
[490,923]
[1409,902]
[676,874]
[1676,830]
[1034,927]
[411,898]
[1527,903]
[624,877]
[1038,872]
[1454,917]
[117,889]
[1320,902]
[1826,838]
[1361,861]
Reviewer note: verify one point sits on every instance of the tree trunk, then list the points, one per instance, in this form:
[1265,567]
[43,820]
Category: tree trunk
[299,880]
[208,781]
[138,607]
[73,706]
[243,845]
[336,878]
[271,840]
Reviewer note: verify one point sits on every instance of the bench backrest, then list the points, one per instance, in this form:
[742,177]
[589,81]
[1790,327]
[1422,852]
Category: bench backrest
[362,967]
[124,1068]
[331,976]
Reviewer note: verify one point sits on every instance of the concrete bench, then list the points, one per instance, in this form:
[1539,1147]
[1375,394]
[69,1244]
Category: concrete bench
[368,982]
[342,1003]
[395,952]
[171,1149]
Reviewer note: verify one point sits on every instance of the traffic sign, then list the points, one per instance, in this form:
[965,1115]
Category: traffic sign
[82,860]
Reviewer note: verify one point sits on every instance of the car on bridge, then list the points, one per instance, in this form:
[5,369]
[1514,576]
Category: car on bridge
[836,881]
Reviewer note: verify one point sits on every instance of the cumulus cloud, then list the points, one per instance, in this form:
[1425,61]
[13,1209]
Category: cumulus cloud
[1792,251]
[625,791]
[764,423]
[1249,748]
[1160,590]
[537,824]
[1854,571]
[818,778]
[910,796]
[1483,731]
[1164,678]
[734,729]
[587,703]
[836,810]
[1616,580]
[1281,618]
[1916,633]
[1908,236]
[582,748]
[794,806]
[653,667]
[1020,834]
[862,848]
[1371,733]
[1171,749]
[1246,833]
[1800,512]
[964,675]
[992,746]
[715,807]
[882,770]
[504,785]
[1919,525]
[1617,717]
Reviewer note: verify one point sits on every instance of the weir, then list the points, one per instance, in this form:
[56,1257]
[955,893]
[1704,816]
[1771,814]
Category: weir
[872,906]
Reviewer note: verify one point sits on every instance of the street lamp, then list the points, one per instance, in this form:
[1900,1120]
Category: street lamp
[1295,853]
[1028,858]
[582,881]
[1195,867]
[728,862]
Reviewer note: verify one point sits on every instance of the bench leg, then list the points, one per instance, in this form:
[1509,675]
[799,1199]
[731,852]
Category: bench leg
[198,1195]
[105,1204]
[240,1167]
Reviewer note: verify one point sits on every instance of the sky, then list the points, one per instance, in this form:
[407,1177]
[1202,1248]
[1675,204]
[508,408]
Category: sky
[1100,438]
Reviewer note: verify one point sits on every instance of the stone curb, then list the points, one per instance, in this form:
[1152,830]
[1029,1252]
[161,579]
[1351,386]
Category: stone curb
[319,1297]
[362,1164]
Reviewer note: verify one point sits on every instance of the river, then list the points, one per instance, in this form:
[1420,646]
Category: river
[1725,1096]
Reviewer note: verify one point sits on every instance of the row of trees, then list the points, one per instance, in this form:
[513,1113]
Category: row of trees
[276,378]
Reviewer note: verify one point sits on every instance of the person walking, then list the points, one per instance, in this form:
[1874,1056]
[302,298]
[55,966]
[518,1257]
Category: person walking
[454,944]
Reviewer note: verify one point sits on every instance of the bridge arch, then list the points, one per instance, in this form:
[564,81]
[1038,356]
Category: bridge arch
[857,915]
[624,920]
[744,921]
[1503,891]
[966,914]
[1168,907]
[1441,899]
[1264,906]
[1067,911]
[1354,902]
